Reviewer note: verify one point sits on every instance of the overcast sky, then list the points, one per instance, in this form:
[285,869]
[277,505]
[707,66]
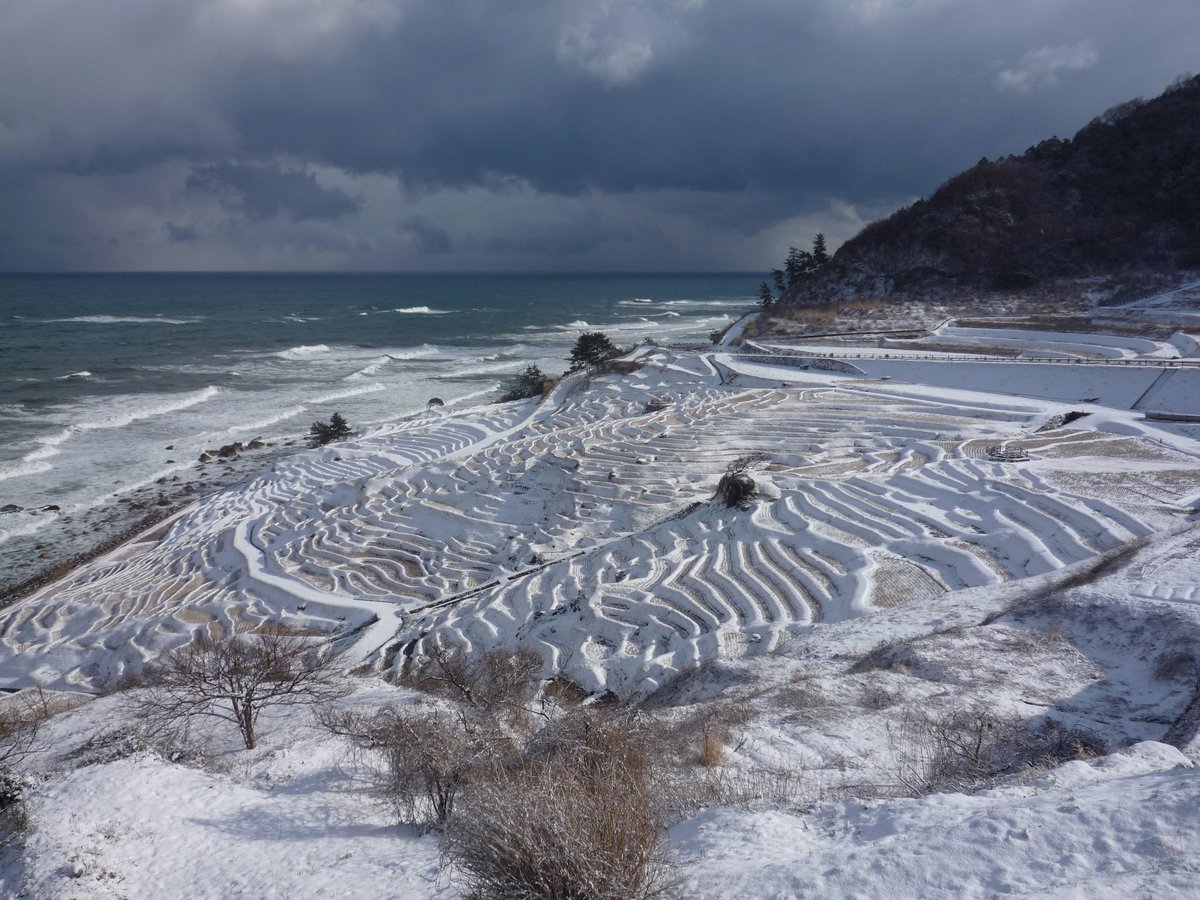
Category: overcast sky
[526,134]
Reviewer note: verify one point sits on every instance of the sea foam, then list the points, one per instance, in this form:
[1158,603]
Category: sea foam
[304,351]
[132,409]
[129,320]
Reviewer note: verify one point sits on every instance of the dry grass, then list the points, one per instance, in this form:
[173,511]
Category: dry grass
[876,697]
[1047,602]
[580,815]
[722,786]
[1177,664]
[712,748]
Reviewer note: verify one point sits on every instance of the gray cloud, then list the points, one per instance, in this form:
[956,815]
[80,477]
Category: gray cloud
[263,191]
[1043,66]
[183,234]
[537,133]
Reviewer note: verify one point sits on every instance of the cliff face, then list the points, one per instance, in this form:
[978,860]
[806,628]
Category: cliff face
[1123,193]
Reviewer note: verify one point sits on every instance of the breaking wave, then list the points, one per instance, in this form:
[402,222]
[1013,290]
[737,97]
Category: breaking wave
[130,320]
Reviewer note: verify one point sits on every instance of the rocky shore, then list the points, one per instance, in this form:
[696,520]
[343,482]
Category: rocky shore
[77,537]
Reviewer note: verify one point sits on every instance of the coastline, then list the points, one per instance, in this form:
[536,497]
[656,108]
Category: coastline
[36,561]
[78,540]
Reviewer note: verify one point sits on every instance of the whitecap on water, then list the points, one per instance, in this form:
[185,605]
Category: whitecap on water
[304,351]
[131,409]
[130,320]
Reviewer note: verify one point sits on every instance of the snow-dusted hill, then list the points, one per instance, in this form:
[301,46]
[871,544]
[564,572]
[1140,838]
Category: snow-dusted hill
[911,548]
[584,528]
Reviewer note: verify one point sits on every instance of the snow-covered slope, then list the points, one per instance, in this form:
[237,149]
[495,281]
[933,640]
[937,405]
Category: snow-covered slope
[911,549]
[583,528]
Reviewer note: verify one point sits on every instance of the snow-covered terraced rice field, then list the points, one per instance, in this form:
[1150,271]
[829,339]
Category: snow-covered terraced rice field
[584,527]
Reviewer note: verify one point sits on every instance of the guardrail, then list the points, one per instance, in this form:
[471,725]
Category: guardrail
[1051,360]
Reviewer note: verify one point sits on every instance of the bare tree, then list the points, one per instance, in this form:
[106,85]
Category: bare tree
[235,679]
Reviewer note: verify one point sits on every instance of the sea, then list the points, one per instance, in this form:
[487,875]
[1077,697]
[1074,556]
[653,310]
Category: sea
[110,383]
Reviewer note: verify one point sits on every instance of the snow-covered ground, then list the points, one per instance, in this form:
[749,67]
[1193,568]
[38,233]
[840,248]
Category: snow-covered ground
[1047,584]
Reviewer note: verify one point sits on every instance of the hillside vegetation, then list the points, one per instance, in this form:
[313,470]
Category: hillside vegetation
[1121,194]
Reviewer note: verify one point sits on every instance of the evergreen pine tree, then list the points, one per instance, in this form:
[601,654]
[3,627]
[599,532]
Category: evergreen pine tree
[336,429]
[764,296]
[526,384]
[339,427]
[799,264]
[592,348]
[820,255]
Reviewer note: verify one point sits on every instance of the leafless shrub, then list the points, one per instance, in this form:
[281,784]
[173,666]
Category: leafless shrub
[235,679]
[876,696]
[563,691]
[20,722]
[1175,664]
[430,757]
[964,749]
[19,727]
[14,817]
[579,816]
[501,683]
[887,656]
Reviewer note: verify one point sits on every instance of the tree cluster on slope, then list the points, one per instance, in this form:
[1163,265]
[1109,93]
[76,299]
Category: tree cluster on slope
[799,267]
[322,433]
[524,385]
[592,349]
[1124,192]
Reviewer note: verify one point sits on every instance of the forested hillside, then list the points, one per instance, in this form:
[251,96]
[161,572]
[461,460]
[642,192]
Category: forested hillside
[1123,193]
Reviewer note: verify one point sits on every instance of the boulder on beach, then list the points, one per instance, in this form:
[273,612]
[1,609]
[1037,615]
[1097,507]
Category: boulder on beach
[230,451]
[435,402]
[10,508]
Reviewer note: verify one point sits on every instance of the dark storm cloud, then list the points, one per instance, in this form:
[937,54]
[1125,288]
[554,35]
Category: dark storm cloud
[183,234]
[263,191]
[429,238]
[681,128]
